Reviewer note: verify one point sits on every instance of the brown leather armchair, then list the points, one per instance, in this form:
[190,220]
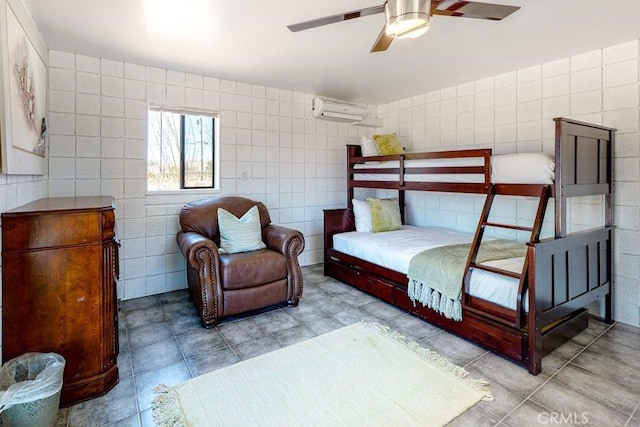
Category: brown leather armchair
[222,285]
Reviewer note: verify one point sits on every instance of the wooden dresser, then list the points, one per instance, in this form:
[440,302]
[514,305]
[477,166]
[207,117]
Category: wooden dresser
[60,261]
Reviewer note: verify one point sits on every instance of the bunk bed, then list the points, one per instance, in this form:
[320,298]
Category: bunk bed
[558,276]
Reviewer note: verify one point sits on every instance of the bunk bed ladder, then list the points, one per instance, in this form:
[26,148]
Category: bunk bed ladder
[483,223]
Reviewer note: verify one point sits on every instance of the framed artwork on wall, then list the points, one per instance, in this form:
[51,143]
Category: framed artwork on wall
[23,90]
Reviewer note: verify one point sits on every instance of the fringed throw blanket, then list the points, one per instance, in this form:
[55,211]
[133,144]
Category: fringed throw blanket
[435,275]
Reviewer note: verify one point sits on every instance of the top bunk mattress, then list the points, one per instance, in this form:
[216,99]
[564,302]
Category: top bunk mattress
[519,168]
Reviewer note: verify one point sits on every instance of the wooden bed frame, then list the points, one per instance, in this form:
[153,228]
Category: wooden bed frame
[562,275]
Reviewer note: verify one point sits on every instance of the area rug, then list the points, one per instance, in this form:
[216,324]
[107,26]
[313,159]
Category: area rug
[363,374]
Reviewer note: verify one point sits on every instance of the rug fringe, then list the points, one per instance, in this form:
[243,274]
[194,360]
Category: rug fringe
[165,408]
[478,384]
[481,385]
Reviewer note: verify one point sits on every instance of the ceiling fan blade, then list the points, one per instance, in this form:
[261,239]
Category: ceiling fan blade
[382,42]
[472,9]
[336,18]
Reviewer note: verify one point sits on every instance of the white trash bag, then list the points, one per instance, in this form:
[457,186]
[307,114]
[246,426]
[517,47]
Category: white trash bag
[30,389]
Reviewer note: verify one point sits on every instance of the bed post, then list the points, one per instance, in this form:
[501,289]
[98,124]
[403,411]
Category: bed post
[353,150]
[534,325]
[608,298]
[608,214]
[561,200]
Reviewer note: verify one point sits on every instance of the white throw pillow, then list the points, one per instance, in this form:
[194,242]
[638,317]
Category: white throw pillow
[523,168]
[240,234]
[369,147]
[362,214]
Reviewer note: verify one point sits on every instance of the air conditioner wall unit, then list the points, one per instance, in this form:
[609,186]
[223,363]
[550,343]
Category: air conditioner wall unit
[337,111]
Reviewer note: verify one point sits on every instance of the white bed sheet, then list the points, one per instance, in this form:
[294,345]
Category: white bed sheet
[520,168]
[394,250]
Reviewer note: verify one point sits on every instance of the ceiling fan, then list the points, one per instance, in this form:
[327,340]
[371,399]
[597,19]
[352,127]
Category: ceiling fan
[410,18]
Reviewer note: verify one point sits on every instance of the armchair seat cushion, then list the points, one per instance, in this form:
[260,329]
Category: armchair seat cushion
[249,269]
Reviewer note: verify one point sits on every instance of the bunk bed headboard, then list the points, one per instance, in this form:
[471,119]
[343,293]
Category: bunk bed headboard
[584,156]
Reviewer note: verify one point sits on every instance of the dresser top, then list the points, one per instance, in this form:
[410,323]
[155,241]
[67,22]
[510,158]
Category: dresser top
[51,204]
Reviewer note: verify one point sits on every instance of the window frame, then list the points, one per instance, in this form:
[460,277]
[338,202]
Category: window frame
[216,144]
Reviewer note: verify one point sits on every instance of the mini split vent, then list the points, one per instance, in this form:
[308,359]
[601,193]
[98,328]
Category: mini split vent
[337,111]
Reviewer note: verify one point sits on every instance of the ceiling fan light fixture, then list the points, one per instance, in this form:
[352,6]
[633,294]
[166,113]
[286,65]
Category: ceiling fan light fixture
[415,32]
[407,18]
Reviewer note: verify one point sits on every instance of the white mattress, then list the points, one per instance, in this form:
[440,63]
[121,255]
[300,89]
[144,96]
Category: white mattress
[394,250]
[521,168]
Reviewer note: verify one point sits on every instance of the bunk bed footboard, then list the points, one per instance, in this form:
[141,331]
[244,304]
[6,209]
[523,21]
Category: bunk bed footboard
[568,274]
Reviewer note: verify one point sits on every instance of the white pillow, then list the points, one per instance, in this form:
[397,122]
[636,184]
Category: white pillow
[362,214]
[523,168]
[240,234]
[369,147]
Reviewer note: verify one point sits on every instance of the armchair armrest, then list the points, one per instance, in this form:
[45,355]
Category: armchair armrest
[287,241]
[203,275]
[290,243]
[191,242]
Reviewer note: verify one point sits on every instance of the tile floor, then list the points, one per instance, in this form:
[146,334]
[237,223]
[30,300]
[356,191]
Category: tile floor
[593,379]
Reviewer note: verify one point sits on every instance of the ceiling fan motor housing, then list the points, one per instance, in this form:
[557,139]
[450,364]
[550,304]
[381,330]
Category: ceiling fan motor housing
[411,18]
[407,18]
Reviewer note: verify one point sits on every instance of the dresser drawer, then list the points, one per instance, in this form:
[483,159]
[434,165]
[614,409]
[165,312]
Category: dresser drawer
[44,231]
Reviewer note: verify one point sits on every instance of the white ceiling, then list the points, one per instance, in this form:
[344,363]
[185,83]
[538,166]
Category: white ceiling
[248,41]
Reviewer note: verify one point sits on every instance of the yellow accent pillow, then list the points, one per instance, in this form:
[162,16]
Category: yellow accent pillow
[388,144]
[385,214]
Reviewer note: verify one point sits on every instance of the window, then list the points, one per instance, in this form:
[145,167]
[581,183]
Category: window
[181,150]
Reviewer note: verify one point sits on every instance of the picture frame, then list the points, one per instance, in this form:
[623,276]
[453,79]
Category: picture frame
[23,93]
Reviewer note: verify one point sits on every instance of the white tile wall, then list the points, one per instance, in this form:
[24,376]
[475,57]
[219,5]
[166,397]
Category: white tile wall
[291,162]
[512,112]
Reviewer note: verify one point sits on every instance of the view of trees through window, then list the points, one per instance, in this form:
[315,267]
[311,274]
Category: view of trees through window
[181,151]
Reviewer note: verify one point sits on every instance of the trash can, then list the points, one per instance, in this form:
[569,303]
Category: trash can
[30,388]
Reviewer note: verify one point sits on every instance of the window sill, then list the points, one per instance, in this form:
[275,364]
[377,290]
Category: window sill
[179,196]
